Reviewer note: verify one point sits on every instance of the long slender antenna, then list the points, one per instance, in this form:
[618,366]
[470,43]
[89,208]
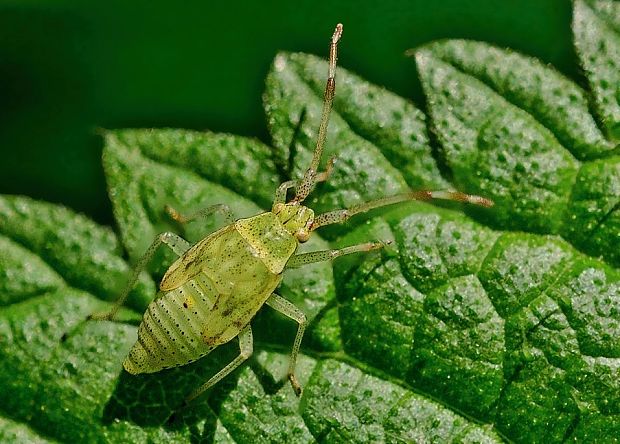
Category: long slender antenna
[309,180]
[339,216]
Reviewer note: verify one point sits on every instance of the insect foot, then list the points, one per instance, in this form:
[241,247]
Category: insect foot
[100,316]
[295,384]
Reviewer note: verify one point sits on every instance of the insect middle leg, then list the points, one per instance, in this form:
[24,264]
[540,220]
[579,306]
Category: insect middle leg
[176,243]
[325,255]
[246,347]
[285,307]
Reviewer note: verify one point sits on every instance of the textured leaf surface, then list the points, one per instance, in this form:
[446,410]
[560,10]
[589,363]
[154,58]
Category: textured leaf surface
[79,393]
[596,25]
[518,330]
[75,249]
[515,130]
[499,325]
[11,431]
[378,139]
[365,117]
[56,266]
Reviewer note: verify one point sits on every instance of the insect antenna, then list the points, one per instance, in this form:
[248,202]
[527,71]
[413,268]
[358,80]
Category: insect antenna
[308,182]
[339,216]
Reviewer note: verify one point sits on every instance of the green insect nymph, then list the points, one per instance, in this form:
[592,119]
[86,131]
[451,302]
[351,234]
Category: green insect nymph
[210,294]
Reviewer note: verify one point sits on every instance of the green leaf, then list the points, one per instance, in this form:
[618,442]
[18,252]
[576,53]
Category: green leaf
[12,431]
[365,117]
[68,371]
[487,326]
[76,250]
[553,100]
[346,405]
[518,330]
[513,129]
[52,259]
[596,25]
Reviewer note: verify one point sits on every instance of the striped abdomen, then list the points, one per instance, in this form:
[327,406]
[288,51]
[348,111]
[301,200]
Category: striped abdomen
[170,332]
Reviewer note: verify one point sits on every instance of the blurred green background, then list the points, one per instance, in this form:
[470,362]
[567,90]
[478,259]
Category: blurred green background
[67,68]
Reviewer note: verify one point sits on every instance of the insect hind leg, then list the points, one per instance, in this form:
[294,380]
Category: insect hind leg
[246,348]
[176,243]
[285,307]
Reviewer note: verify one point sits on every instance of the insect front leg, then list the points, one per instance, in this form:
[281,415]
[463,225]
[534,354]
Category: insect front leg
[176,243]
[285,307]
[280,196]
[325,255]
[246,347]
[201,214]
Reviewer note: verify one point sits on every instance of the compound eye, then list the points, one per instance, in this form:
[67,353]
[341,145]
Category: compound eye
[302,235]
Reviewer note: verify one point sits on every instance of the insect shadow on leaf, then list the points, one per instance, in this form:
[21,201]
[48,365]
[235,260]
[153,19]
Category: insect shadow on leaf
[153,399]
[286,165]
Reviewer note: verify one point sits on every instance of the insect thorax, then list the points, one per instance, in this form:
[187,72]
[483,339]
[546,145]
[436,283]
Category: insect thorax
[270,239]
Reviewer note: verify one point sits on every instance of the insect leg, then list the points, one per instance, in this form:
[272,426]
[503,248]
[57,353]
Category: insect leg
[246,347]
[309,180]
[280,196]
[325,255]
[338,216]
[285,307]
[176,244]
[201,214]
